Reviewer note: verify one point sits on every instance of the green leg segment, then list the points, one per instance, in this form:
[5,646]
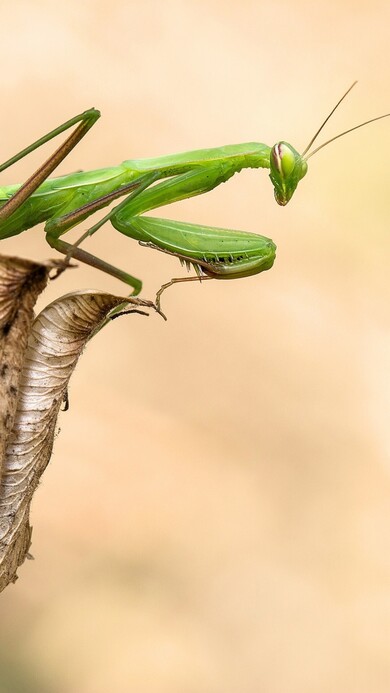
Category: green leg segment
[56,227]
[86,120]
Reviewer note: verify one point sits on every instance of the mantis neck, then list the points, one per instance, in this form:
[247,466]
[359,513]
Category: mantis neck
[235,156]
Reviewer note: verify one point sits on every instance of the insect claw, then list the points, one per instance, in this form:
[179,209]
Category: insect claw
[59,266]
[159,311]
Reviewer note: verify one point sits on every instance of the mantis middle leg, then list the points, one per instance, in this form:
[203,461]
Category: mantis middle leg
[143,198]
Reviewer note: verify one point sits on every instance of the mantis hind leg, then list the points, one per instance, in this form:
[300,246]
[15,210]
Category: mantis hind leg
[86,120]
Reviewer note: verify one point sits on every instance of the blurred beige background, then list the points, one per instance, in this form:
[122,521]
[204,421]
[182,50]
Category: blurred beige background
[216,517]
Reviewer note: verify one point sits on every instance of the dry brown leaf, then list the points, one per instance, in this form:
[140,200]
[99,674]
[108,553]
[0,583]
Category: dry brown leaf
[21,282]
[56,341]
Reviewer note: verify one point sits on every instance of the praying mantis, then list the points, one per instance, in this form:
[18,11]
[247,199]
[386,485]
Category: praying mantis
[146,184]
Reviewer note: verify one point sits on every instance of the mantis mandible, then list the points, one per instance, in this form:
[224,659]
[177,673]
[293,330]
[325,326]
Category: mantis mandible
[146,184]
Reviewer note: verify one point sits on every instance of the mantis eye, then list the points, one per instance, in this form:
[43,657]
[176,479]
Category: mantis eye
[283,159]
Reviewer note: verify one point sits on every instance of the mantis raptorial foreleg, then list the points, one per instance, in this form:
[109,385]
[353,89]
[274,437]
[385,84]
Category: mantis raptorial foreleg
[141,199]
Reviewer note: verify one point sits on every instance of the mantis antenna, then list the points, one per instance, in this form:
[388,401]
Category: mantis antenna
[372,120]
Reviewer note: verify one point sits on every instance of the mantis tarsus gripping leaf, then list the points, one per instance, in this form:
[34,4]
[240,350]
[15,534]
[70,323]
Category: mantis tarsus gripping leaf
[146,184]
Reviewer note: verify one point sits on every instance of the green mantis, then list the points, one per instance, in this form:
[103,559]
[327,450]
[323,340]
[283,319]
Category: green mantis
[146,184]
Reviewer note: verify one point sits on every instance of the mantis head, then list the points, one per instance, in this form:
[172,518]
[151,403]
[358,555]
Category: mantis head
[288,167]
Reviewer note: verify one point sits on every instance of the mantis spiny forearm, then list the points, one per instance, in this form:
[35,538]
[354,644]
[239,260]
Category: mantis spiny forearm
[148,184]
